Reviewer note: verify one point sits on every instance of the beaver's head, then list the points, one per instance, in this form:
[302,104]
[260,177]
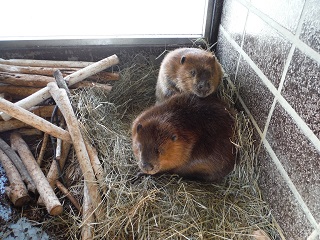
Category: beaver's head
[200,73]
[157,146]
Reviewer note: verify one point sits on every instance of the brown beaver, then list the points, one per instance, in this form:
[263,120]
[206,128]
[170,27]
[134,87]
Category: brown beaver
[189,70]
[185,135]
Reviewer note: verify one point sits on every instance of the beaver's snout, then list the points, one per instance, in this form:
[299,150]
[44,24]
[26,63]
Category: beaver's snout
[203,88]
[147,166]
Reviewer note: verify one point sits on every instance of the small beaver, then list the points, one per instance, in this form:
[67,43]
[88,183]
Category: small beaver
[185,135]
[189,70]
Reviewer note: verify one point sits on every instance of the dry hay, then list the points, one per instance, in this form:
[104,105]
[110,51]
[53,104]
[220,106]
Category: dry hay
[165,207]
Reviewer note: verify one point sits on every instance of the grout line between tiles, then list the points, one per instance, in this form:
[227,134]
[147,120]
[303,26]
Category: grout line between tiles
[280,167]
[283,31]
[245,107]
[284,73]
[287,107]
[291,185]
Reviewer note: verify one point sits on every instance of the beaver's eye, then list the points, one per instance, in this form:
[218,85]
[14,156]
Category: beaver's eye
[193,73]
[174,137]
[183,59]
[139,127]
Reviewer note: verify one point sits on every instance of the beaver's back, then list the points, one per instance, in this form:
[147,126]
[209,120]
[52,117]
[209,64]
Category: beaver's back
[204,125]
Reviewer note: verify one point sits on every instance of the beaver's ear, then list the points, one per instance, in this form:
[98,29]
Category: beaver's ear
[183,59]
[139,127]
[174,137]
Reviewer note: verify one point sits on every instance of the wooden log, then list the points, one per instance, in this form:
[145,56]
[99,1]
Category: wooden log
[78,76]
[29,80]
[29,132]
[84,84]
[47,71]
[26,80]
[87,216]
[43,148]
[33,120]
[61,99]
[61,82]
[11,125]
[41,111]
[46,63]
[67,193]
[17,92]
[53,174]
[16,191]
[103,77]
[19,165]
[96,165]
[91,70]
[29,101]
[51,201]
[5,96]
[58,148]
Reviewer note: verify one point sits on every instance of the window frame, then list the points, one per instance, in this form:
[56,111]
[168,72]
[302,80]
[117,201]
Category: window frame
[210,31]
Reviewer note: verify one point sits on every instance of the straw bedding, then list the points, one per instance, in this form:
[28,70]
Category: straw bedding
[165,207]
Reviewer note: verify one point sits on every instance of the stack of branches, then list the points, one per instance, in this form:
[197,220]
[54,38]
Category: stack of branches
[165,207]
[20,78]
[23,170]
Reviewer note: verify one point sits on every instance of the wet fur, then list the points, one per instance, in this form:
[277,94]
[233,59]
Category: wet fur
[183,69]
[185,135]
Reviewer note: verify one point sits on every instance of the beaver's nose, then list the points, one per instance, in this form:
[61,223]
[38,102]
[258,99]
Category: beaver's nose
[147,166]
[203,86]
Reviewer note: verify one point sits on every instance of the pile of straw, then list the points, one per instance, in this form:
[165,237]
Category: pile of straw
[165,207]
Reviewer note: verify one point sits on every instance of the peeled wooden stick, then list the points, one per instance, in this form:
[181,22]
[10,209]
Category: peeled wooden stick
[48,71]
[93,84]
[43,111]
[58,149]
[31,80]
[29,101]
[5,96]
[17,192]
[61,99]
[53,174]
[17,92]
[71,79]
[27,80]
[67,193]
[12,124]
[45,71]
[19,165]
[87,217]
[91,70]
[33,120]
[45,63]
[43,148]
[30,132]
[96,165]
[51,201]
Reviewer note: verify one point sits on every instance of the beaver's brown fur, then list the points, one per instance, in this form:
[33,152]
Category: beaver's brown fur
[188,70]
[185,135]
